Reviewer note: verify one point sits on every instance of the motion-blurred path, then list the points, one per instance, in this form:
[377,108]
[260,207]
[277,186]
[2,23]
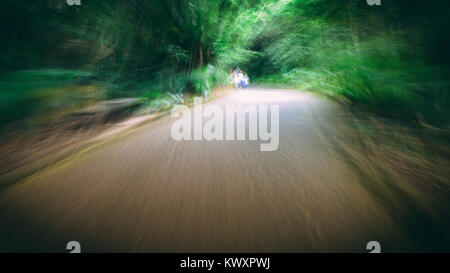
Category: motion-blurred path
[144,191]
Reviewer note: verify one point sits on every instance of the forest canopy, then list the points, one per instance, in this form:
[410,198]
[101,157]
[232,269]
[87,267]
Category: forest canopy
[392,58]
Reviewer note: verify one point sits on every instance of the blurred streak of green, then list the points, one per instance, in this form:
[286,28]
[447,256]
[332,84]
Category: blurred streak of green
[392,59]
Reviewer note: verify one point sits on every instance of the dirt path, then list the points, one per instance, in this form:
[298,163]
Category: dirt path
[144,191]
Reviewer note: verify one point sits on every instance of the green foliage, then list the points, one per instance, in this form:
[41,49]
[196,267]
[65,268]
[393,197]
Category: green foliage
[392,58]
[375,57]
[36,92]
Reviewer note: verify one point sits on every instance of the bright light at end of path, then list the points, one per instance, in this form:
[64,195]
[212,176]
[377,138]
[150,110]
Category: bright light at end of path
[267,97]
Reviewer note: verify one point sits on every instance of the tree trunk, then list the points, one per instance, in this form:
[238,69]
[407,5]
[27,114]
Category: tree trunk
[352,25]
[200,52]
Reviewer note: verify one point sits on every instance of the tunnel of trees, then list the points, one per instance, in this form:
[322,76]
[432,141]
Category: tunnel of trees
[392,59]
